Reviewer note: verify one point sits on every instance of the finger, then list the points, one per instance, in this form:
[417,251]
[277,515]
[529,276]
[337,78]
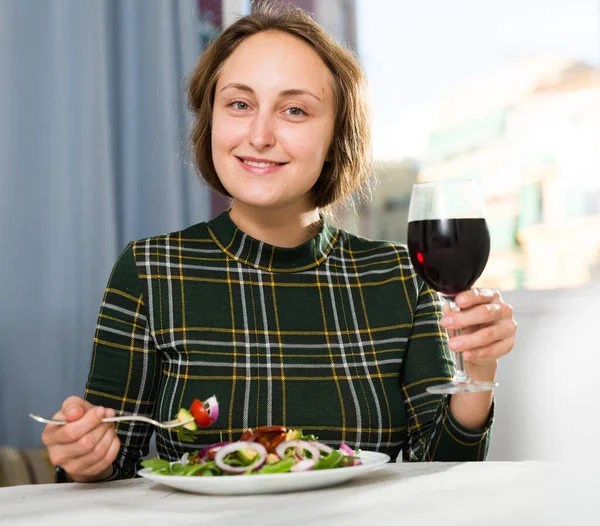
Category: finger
[477,296]
[490,353]
[109,458]
[91,449]
[74,453]
[54,434]
[74,407]
[86,445]
[73,431]
[475,316]
[483,337]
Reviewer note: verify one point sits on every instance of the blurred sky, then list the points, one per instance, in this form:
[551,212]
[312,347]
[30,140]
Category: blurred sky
[414,50]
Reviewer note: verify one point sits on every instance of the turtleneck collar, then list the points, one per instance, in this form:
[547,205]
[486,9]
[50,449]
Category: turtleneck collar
[245,249]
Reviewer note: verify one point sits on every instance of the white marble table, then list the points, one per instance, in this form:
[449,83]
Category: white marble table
[489,493]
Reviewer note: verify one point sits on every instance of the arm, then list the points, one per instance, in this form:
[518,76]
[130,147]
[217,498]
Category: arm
[125,369]
[434,434]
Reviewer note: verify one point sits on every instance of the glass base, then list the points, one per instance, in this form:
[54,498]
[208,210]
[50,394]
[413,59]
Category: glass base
[461,387]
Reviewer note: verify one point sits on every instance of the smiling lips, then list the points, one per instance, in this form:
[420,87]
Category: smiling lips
[259,166]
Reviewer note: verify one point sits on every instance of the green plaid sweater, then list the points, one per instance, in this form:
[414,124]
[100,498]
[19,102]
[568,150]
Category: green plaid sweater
[337,337]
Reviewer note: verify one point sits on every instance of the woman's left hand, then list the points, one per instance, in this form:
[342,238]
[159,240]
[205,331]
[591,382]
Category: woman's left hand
[487,324]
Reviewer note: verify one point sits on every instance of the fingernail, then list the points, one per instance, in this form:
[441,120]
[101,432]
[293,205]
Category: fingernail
[109,413]
[455,345]
[447,321]
[71,411]
[100,411]
[467,355]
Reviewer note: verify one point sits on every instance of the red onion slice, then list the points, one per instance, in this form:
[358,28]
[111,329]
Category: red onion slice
[300,446]
[203,452]
[304,465]
[346,450]
[234,447]
[323,447]
[351,453]
[212,407]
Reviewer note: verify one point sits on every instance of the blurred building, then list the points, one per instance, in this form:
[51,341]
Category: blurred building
[559,133]
[530,135]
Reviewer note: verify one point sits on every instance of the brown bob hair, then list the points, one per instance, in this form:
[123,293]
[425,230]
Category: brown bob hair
[349,163]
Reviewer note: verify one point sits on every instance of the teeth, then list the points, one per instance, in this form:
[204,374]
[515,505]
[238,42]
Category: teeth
[260,165]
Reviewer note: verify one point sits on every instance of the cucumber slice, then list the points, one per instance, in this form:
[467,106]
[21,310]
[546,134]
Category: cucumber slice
[184,415]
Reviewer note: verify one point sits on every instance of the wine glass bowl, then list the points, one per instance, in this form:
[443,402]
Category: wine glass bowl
[450,254]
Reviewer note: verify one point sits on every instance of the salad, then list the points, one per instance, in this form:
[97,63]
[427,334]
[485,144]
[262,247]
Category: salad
[204,414]
[265,450]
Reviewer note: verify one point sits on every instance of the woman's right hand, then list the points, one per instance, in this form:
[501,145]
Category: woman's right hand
[85,447]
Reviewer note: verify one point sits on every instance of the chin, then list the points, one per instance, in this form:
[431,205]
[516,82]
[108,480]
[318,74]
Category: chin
[262,199]
[261,203]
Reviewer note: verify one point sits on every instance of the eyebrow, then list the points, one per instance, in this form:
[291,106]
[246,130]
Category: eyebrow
[285,93]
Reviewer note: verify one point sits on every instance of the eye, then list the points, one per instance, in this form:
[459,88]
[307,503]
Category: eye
[295,112]
[240,105]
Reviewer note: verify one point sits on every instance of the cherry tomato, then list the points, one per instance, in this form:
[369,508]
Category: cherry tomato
[200,414]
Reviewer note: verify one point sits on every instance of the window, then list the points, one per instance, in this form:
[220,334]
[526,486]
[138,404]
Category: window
[504,92]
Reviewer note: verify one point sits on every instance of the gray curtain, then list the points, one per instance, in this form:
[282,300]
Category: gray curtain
[93,139]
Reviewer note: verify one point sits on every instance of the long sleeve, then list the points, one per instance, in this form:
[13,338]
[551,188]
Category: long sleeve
[433,433]
[125,367]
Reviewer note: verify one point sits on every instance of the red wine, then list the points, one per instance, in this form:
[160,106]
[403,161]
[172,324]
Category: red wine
[449,254]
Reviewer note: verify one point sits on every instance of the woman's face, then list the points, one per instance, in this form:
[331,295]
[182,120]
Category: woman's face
[272,122]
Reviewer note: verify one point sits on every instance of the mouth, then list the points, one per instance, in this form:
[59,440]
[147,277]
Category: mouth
[260,166]
[259,163]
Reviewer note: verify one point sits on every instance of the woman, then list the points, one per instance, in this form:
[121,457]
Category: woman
[287,319]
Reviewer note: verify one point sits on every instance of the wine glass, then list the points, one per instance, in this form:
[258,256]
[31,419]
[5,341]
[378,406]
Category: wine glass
[449,245]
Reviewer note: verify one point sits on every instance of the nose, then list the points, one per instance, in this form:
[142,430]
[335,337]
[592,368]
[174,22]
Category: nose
[261,134]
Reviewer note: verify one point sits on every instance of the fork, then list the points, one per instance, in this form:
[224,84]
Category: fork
[164,425]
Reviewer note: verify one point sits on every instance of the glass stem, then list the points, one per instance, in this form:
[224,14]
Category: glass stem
[460,376]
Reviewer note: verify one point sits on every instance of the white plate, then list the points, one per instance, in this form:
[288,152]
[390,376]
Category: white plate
[275,483]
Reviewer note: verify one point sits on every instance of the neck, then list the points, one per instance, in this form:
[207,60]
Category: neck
[278,227]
